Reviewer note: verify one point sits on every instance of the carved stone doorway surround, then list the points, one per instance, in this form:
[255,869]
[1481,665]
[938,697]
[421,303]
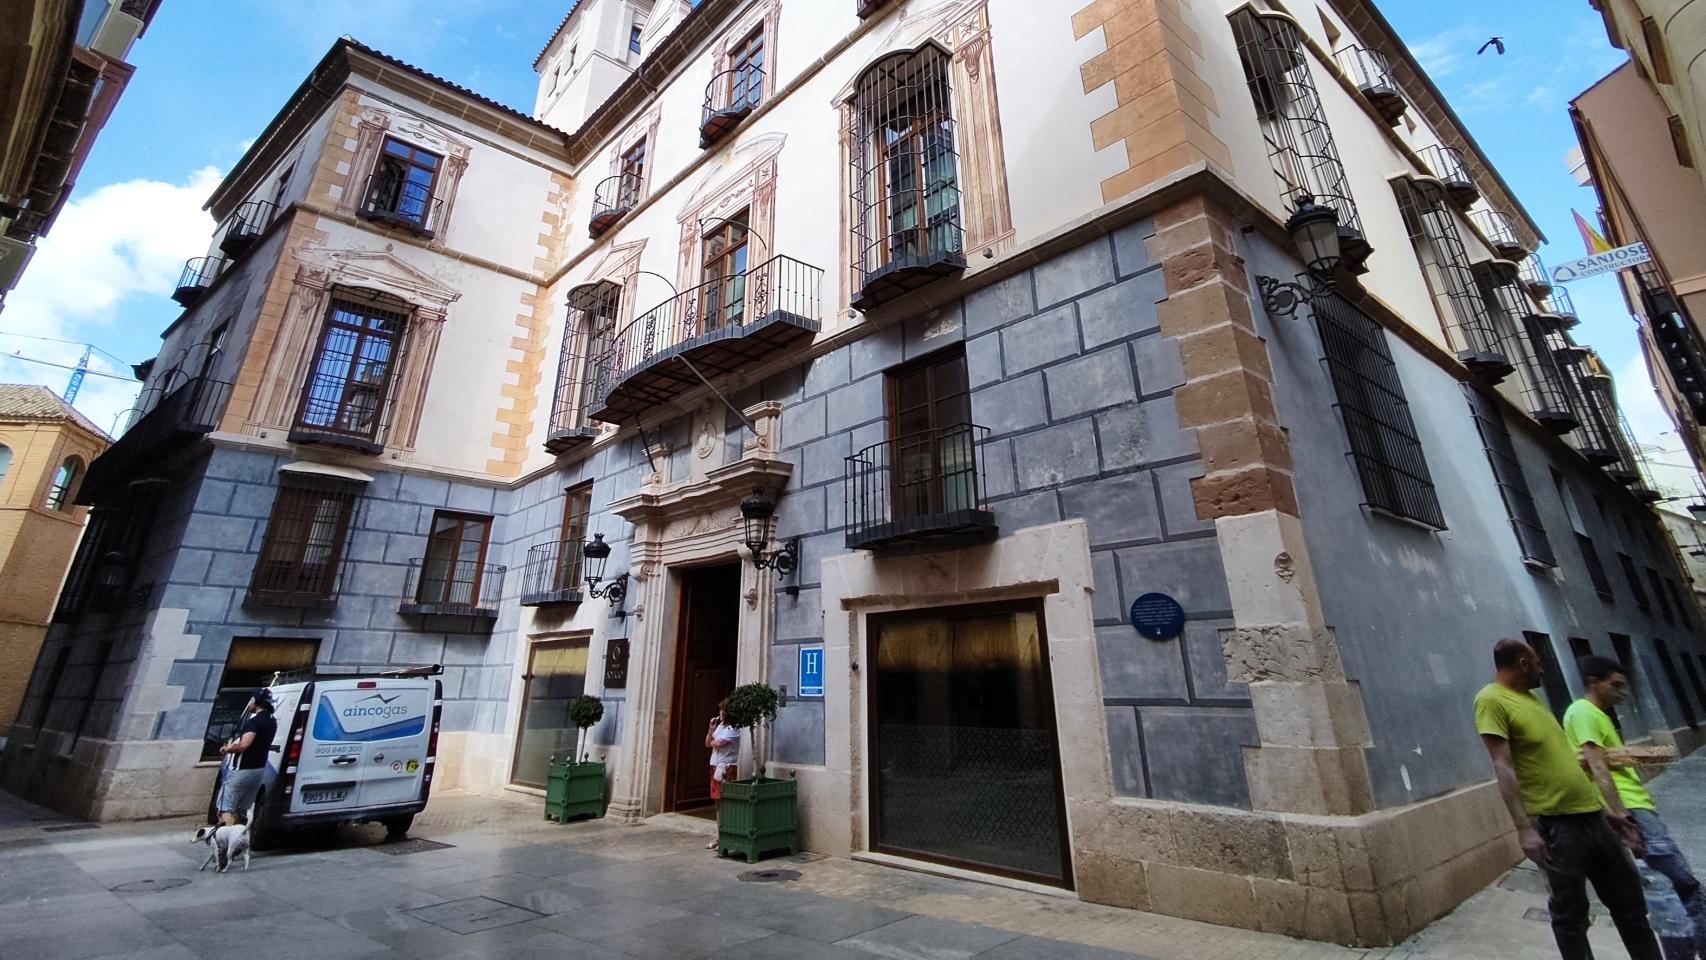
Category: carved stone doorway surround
[691,522]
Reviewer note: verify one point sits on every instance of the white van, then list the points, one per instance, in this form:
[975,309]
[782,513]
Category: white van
[350,751]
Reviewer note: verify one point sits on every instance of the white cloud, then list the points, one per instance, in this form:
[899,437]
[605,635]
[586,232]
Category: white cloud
[108,247]
[1635,394]
[1445,53]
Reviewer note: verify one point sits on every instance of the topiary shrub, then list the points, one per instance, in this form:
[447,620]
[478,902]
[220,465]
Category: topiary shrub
[750,705]
[584,711]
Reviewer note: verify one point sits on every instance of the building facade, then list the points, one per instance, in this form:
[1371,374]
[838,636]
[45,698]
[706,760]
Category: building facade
[46,447]
[1023,358]
[62,70]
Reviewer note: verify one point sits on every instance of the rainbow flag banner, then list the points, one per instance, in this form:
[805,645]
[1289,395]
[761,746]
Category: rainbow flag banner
[1590,237]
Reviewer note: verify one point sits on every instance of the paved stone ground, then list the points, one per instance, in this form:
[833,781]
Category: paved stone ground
[508,884]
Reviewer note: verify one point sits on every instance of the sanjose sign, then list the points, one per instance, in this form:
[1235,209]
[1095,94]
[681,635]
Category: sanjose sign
[1607,262]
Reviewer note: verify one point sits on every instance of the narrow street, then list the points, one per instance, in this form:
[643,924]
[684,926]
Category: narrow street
[489,878]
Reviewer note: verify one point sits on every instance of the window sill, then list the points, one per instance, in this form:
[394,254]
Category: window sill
[396,220]
[359,444]
[294,601]
[1401,518]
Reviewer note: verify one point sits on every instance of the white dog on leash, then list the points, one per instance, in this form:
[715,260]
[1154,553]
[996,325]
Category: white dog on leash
[224,844]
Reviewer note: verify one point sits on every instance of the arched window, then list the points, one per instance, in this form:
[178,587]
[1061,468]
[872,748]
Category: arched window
[64,482]
[5,461]
[904,177]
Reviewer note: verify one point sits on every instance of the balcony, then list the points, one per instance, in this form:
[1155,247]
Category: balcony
[1534,276]
[611,201]
[919,493]
[717,327]
[397,202]
[183,416]
[864,8]
[198,275]
[246,226]
[1448,167]
[1371,74]
[552,575]
[1558,309]
[729,98]
[1496,229]
[459,588]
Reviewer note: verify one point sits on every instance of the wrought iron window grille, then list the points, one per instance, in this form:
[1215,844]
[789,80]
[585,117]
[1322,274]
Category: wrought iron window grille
[588,333]
[1300,144]
[1446,164]
[348,400]
[1513,486]
[306,542]
[397,201]
[1432,225]
[1371,73]
[198,275]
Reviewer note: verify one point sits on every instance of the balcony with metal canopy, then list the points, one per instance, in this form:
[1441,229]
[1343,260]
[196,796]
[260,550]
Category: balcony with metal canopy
[182,416]
[717,327]
[730,97]
[198,274]
[1371,73]
[1495,228]
[1449,168]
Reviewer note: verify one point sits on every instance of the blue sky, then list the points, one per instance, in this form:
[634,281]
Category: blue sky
[211,73]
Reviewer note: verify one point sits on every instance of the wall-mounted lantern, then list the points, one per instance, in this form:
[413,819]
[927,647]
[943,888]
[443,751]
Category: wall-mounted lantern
[1314,230]
[758,513]
[597,554]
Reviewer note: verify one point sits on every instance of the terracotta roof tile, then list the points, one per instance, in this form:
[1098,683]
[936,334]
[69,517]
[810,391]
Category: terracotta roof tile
[30,401]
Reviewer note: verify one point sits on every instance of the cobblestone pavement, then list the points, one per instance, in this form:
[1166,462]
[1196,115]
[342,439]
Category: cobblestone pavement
[498,881]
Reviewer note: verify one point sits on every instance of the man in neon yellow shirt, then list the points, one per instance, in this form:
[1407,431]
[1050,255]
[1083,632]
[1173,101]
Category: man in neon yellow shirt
[1559,815]
[1589,727]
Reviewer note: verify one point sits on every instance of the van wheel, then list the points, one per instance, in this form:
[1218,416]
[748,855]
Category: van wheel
[397,828]
[261,836]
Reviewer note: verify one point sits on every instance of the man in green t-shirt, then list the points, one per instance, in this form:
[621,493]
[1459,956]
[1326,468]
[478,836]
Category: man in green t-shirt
[1559,815]
[1589,727]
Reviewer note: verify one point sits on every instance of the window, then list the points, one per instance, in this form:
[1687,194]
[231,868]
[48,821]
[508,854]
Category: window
[1681,604]
[577,507]
[1580,647]
[1657,55]
[103,656]
[1294,126]
[905,198]
[1674,681]
[1551,675]
[556,674]
[1507,473]
[1694,678]
[51,691]
[455,562]
[281,188]
[584,379]
[351,373]
[1432,225]
[634,37]
[215,351]
[251,664]
[1385,449]
[1584,543]
[59,492]
[304,542]
[1679,141]
[633,171]
[400,189]
[746,72]
[934,471]
[569,60]
[5,461]
[1635,588]
[724,274]
[1658,586]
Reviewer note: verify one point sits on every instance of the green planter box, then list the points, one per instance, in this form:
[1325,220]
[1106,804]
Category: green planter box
[758,816]
[574,790]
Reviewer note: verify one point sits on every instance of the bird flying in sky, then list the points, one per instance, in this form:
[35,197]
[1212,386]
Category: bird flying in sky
[1497,43]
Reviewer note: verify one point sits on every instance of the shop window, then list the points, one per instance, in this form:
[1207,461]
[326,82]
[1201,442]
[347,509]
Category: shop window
[251,664]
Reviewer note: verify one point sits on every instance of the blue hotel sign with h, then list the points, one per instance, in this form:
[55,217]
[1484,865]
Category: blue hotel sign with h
[811,672]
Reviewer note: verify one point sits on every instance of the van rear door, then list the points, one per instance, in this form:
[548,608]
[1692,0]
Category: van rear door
[385,724]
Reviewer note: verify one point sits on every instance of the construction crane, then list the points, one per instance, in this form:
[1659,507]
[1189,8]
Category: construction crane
[78,373]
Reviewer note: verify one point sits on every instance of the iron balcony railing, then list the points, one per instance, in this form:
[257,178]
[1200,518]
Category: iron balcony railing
[922,490]
[729,97]
[1449,168]
[1532,270]
[1496,229]
[1674,335]
[1558,304]
[1371,73]
[246,226]
[780,285]
[552,574]
[441,585]
[394,200]
[198,274]
[611,199]
[188,412]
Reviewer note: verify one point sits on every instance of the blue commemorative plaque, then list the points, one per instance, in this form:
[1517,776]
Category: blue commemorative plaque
[1157,616]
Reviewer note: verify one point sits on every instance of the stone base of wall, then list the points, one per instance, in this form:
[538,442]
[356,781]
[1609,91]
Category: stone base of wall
[1367,880]
[476,762]
[105,781]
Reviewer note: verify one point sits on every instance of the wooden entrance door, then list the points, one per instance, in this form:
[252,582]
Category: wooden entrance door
[707,636]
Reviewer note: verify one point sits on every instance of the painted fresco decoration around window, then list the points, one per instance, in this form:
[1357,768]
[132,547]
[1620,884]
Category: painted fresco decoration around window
[355,375]
[406,173]
[959,31]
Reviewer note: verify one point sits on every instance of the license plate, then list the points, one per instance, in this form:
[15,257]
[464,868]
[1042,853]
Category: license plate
[325,796]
